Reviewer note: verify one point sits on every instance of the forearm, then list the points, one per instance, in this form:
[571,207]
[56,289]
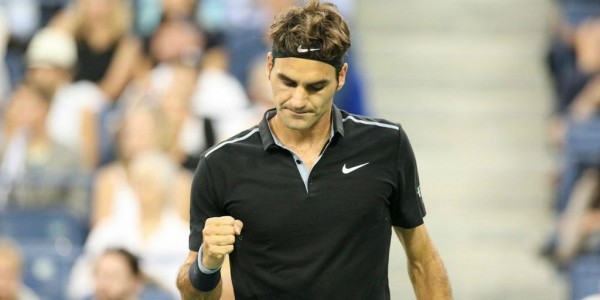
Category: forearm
[187,290]
[430,279]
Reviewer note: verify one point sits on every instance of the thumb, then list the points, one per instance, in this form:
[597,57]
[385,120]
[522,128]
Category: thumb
[237,226]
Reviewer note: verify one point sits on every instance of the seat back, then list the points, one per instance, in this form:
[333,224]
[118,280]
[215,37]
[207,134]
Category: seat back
[584,276]
[43,226]
[47,268]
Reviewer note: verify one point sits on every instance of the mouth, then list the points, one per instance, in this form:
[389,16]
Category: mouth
[297,112]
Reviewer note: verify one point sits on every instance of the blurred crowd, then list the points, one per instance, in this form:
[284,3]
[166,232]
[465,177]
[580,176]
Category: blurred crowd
[105,108]
[574,132]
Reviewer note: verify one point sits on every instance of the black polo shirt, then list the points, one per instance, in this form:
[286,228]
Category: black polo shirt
[328,239]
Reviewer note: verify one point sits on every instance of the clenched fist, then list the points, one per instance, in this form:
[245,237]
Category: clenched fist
[218,238]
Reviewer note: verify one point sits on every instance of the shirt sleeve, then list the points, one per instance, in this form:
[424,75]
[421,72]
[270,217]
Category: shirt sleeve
[204,203]
[406,207]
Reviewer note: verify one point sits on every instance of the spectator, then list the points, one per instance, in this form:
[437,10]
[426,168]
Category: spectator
[23,19]
[5,81]
[259,90]
[150,14]
[11,274]
[108,54]
[37,172]
[72,121]
[575,120]
[178,8]
[117,275]
[579,227]
[112,192]
[571,60]
[574,129]
[157,234]
[175,49]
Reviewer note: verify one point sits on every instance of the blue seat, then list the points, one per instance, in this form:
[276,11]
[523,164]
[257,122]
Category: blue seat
[43,226]
[152,292]
[47,268]
[584,276]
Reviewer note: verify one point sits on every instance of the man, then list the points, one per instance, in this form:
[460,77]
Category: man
[118,275]
[37,172]
[11,273]
[304,203]
[75,107]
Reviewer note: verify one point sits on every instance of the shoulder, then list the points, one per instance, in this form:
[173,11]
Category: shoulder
[81,94]
[359,120]
[66,20]
[372,128]
[109,173]
[243,142]
[129,42]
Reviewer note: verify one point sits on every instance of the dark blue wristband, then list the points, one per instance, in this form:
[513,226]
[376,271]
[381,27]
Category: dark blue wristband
[203,282]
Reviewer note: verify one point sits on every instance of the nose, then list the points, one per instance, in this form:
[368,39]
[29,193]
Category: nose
[299,98]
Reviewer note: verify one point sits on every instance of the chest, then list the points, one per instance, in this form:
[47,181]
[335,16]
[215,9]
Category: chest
[345,189]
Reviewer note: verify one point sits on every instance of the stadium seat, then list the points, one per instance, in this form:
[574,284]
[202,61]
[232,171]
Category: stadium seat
[584,276]
[152,292]
[47,268]
[56,227]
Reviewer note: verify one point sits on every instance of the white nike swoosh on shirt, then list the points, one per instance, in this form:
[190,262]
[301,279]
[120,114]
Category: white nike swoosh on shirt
[350,170]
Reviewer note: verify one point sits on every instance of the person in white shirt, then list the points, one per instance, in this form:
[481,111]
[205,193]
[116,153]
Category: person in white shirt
[157,234]
[11,272]
[72,121]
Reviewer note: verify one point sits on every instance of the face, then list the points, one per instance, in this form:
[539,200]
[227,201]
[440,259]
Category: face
[303,91]
[29,109]
[177,6]
[98,9]
[587,46]
[114,278]
[138,134]
[177,41]
[48,78]
[9,278]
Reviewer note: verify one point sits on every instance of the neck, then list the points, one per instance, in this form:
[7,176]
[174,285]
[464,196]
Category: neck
[149,219]
[38,137]
[316,135]
[150,215]
[307,144]
[39,132]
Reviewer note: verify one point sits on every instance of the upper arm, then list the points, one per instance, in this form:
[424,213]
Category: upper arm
[416,242]
[406,204]
[102,196]
[121,67]
[204,203]
[182,193]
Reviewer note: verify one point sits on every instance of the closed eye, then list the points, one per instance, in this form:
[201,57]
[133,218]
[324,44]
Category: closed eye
[313,88]
[289,83]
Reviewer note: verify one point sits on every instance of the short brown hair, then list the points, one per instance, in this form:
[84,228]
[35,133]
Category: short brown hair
[316,25]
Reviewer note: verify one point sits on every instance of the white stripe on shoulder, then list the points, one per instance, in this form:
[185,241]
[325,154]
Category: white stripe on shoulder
[371,123]
[231,141]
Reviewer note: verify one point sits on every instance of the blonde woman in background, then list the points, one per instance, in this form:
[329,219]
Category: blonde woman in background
[112,193]
[157,233]
[108,53]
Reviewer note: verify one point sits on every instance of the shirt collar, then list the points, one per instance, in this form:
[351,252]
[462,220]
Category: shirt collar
[268,138]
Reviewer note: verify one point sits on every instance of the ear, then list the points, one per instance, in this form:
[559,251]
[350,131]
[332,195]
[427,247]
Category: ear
[269,65]
[342,76]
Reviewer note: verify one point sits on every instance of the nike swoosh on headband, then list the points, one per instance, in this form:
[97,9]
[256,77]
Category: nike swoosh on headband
[304,50]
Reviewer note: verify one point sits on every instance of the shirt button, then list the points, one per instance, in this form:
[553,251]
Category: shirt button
[298,161]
